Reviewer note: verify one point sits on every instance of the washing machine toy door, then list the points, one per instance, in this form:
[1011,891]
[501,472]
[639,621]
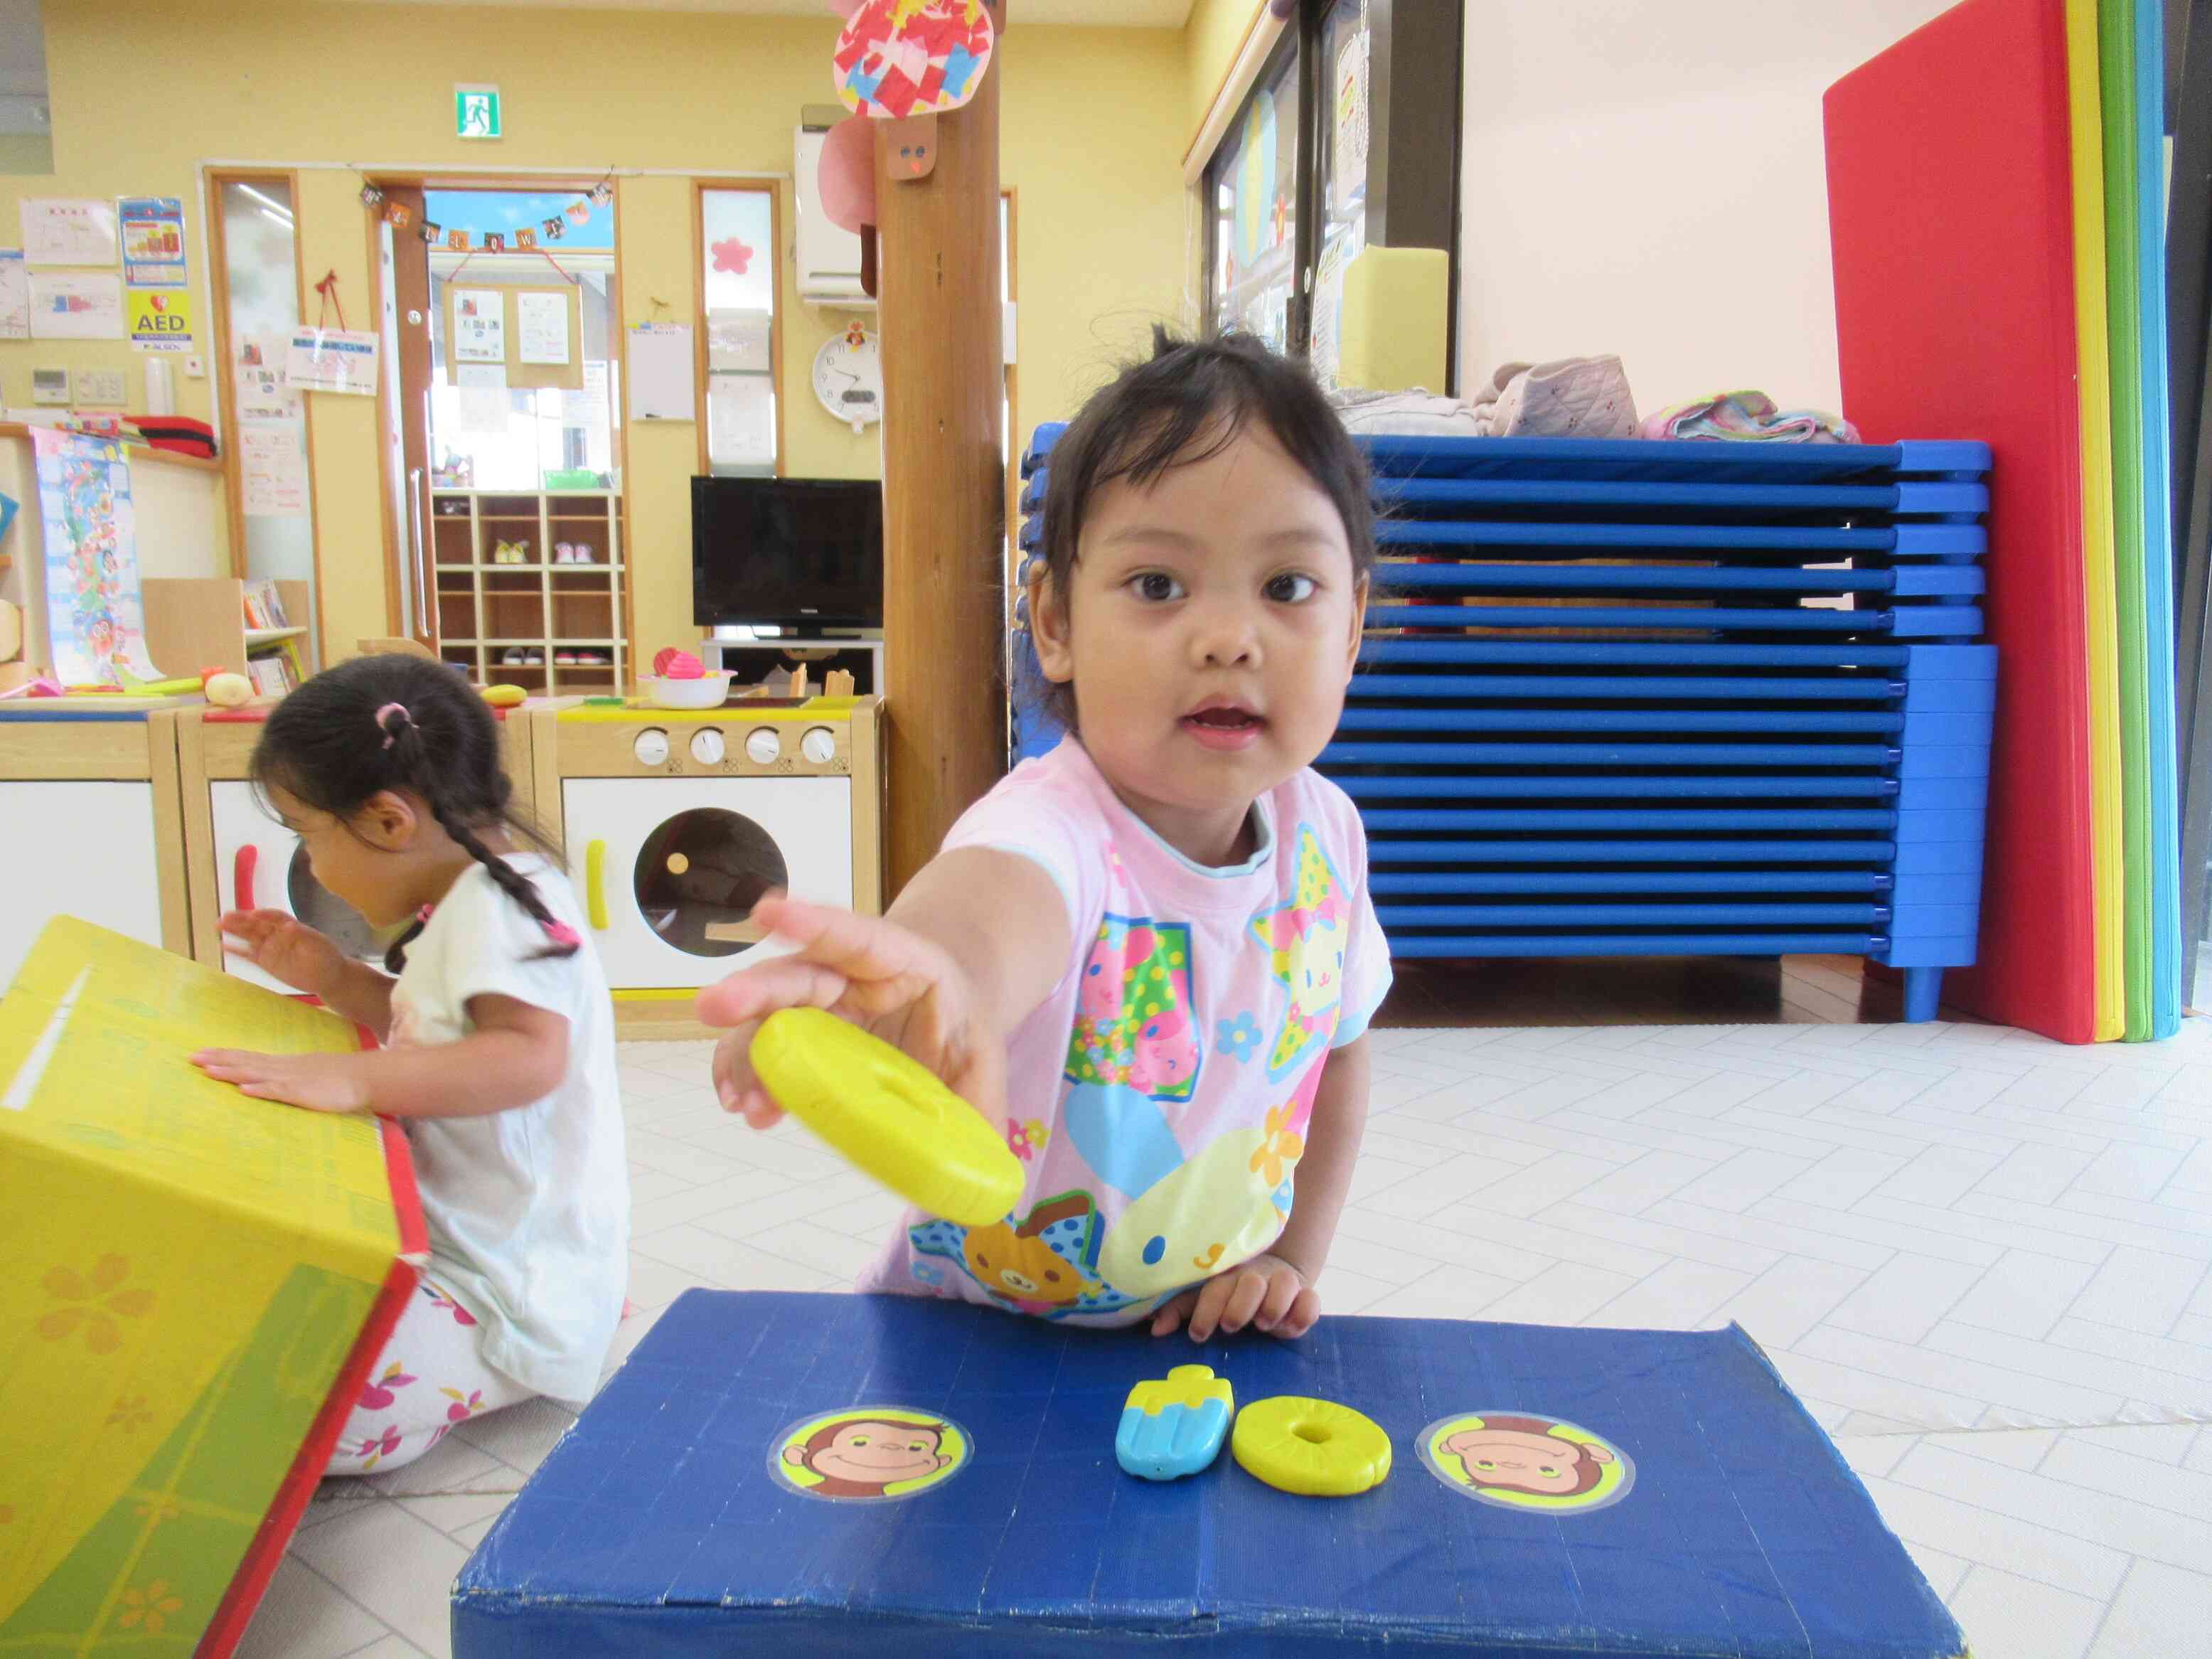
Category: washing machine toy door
[669,869]
[261,866]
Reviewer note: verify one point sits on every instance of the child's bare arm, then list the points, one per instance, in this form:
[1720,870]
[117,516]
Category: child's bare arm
[518,1053]
[362,995]
[975,943]
[1274,1290]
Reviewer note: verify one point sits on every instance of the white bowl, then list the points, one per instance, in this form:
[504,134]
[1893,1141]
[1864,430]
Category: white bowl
[708,692]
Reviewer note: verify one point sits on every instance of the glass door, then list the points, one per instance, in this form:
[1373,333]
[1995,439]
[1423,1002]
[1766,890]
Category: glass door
[1253,184]
[258,304]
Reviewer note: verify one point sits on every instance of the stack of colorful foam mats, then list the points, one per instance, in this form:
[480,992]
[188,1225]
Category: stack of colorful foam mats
[1633,698]
[1996,203]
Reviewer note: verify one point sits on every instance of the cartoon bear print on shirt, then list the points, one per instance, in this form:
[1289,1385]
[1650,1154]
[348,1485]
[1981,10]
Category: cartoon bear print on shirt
[1045,1266]
[1307,939]
[1132,1024]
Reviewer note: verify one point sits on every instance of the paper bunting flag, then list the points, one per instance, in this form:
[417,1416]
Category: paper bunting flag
[578,211]
[900,57]
[602,193]
[398,215]
[371,196]
[526,238]
[458,240]
[433,232]
[494,242]
[554,228]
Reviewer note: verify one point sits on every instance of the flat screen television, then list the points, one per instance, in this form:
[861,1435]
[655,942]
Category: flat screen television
[801,554]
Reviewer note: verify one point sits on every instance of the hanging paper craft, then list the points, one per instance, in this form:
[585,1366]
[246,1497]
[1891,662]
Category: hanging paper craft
[332,360]
[432,231]
[555,228]
[398,215]
[94,611]
[480,326]
[845,174]
[526,238]
[458,240]
[900,57]
[848,378]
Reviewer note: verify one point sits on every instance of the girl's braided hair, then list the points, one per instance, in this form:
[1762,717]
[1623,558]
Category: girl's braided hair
[407,723]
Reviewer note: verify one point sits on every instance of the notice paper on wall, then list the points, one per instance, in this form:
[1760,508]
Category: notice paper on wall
[479,326]
[332,360]
[67,231]
[153,228]
[542,321]
[661,373]
[76,304]
[272,464]
[14,295]
[262,394]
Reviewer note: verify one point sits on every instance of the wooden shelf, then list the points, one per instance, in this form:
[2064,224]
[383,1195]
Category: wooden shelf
[260,636]
[490,608]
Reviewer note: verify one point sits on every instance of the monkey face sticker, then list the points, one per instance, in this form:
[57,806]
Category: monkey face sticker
[869,1454]
[1523,1460]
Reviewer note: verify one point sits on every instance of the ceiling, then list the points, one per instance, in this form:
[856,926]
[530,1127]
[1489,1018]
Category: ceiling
[1121,14]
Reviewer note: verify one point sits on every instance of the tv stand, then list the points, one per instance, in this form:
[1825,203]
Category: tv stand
[752,660]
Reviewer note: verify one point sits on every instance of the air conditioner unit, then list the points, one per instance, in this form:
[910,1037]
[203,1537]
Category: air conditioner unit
[828,255]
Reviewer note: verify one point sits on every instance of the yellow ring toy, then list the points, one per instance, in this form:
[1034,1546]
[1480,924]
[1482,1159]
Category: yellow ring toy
[888,1115]
[1315,1447]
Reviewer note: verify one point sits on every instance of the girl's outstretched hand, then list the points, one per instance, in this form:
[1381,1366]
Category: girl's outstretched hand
[321,1083]
[284,948]
[884,978]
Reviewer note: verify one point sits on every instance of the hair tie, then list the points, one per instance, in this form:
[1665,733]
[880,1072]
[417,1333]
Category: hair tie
[392,733]
[563,934]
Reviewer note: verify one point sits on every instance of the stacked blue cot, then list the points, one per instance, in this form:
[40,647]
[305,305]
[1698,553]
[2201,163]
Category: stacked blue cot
[1629,698]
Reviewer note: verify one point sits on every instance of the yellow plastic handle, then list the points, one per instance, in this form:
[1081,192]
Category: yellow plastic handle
[595,886]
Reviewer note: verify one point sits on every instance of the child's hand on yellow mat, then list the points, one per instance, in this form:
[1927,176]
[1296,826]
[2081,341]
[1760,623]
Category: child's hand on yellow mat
[886,979]
[1266,1292]
[321,1083]
[283,948]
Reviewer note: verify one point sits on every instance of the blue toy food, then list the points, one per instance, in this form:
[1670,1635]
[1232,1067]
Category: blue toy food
[1174,1427]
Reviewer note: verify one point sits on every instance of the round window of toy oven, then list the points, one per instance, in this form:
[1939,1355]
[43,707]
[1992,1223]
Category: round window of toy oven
[699,876]
[329,914]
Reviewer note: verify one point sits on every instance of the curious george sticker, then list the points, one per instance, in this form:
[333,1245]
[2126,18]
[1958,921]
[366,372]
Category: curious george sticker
[870,1454]
[1526,1461]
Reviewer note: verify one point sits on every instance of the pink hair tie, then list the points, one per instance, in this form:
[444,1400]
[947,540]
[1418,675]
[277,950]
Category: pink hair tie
[392,734]
[561,933]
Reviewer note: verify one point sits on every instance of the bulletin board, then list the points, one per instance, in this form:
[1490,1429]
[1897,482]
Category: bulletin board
[526,376]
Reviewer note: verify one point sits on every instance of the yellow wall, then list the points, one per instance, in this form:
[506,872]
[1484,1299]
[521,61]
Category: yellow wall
[1212,36]
[143,90]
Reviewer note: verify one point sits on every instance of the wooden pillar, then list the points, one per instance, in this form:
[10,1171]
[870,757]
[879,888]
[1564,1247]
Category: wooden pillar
[945,615]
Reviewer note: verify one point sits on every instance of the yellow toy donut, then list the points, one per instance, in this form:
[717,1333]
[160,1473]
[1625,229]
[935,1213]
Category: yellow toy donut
[1315,1447]
[888,1115]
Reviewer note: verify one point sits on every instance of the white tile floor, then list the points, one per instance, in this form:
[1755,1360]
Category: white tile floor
[1983,1259]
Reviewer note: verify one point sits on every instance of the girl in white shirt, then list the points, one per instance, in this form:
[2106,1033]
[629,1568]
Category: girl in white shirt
[499,1052]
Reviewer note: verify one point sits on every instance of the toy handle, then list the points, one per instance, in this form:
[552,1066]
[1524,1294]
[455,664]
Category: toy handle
[595,895]
[241,875]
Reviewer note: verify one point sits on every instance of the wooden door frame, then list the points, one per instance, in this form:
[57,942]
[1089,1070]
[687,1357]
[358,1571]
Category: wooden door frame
[1011,195]
[226,379]
[396,537]
[774,190]
[533,185]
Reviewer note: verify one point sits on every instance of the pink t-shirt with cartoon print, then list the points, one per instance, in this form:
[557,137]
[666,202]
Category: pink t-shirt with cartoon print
[1158,1096]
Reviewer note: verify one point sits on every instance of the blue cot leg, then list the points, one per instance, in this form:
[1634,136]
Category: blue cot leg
[1923,993]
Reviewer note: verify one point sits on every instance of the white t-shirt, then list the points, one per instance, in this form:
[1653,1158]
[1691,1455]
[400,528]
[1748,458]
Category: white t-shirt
[528,1209]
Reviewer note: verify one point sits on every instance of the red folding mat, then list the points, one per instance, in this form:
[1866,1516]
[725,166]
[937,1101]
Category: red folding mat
[1951,215]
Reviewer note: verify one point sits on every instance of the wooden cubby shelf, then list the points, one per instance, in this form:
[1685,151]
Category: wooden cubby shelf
[485,609]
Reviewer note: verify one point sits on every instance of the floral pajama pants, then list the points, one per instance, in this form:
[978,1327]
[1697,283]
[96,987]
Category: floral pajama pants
[429,1378]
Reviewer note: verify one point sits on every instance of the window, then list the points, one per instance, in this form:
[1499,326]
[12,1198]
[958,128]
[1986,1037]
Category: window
[738,245]
[1253,186]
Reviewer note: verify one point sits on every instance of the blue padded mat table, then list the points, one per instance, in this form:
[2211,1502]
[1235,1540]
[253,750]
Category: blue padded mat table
[1721,1522]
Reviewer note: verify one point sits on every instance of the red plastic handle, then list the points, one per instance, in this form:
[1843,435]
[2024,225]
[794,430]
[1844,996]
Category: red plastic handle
[241,875]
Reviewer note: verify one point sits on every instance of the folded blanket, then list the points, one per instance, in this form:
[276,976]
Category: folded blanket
[1414,414]
[1749,416]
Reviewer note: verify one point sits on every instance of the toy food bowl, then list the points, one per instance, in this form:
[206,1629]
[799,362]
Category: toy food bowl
[707,691]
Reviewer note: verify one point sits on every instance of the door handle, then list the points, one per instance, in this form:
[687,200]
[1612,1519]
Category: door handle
[241,875]
[595,893]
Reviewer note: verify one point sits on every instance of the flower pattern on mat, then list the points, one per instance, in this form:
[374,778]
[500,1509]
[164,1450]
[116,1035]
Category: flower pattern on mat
[151,1608]
[157,1507]
[463,1407]
[377,1394]
[129,1412]
[375,1448]
[1236,1038]
[1281,1146]
[92,1302]
[461,1316]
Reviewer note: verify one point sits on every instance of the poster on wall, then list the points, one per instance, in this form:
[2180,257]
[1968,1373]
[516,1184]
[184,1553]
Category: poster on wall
[76,304]
[332,360]
[67,231]
[153,230]
[95,615]
[542,322]
[161,318]
[259,379]
[14,295]
[273,468]
[1351,120]
[480,326]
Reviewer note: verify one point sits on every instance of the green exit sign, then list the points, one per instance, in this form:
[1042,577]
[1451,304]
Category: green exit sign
[476,111]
